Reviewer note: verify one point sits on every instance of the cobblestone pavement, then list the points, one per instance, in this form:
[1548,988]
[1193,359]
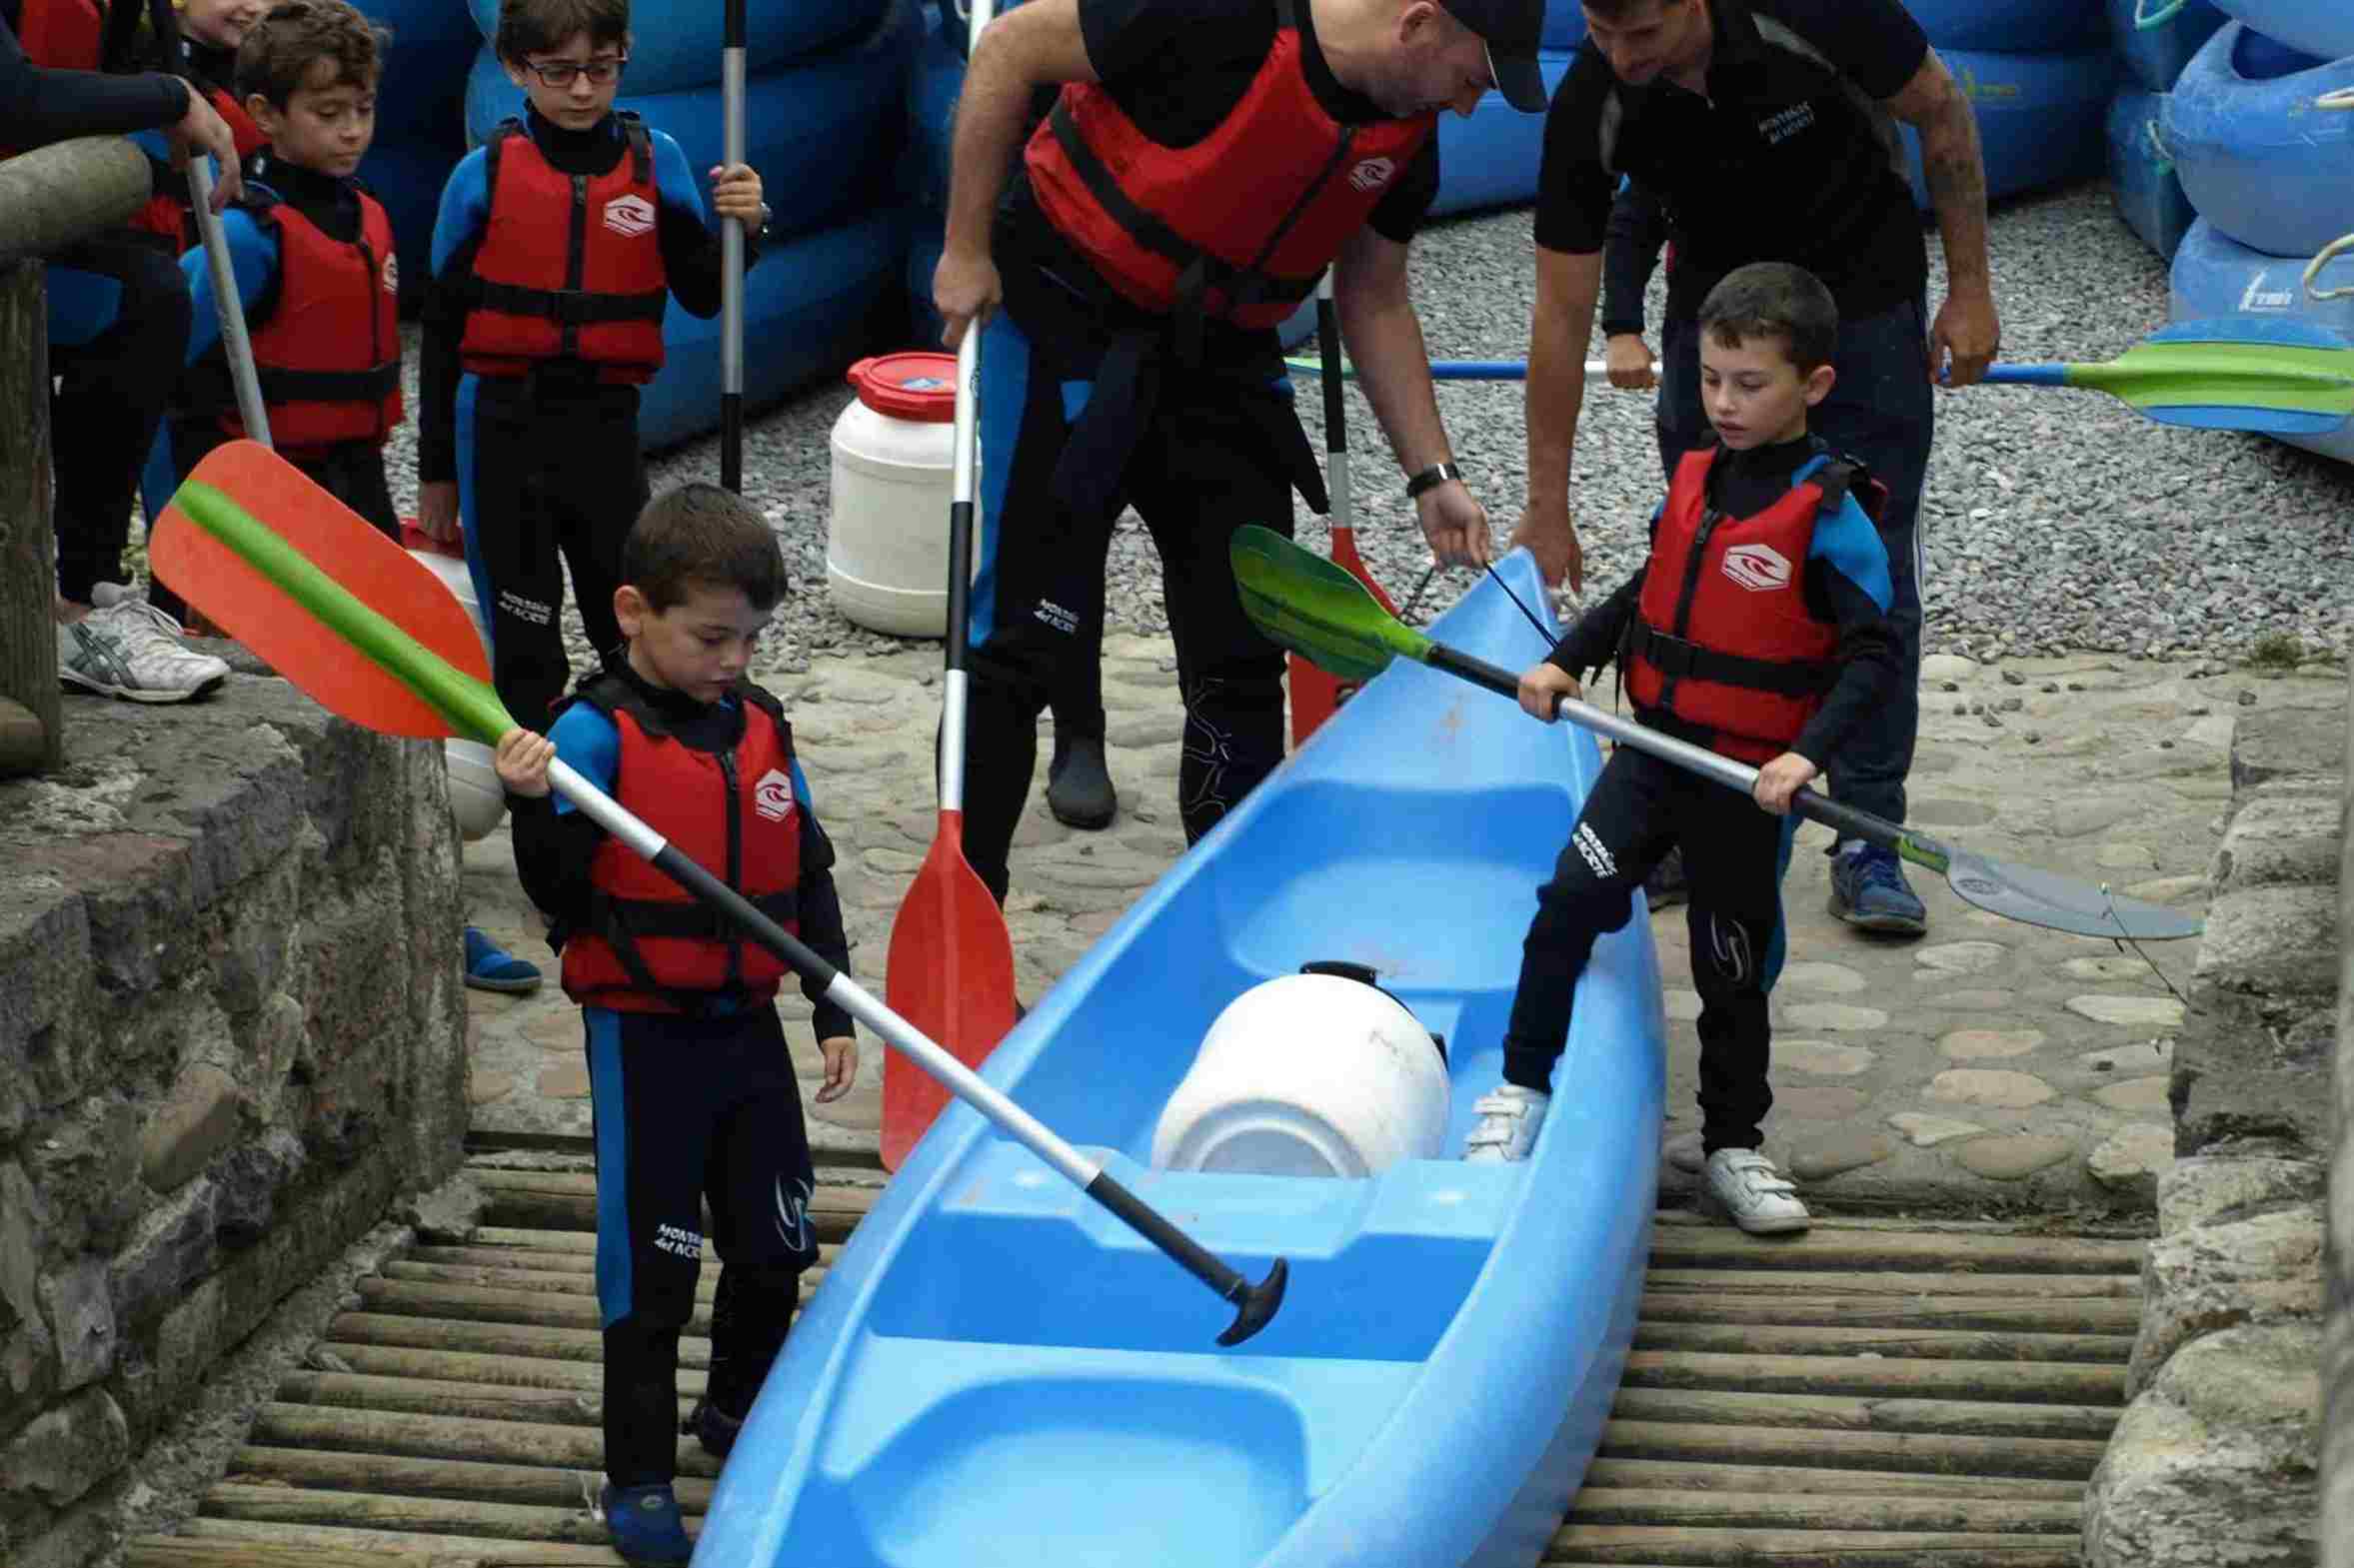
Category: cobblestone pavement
[1990,1066]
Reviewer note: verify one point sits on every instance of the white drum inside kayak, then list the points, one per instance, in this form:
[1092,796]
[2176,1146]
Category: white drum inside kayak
[1307,1075]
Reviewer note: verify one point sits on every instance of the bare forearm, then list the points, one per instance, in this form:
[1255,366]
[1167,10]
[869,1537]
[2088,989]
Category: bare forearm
[1556,396]
[989,118]
[1955,169]
[1384,340]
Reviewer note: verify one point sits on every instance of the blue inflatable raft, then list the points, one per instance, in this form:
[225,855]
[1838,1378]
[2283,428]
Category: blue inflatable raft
[993,1374]
[2156,55]
[676,43]
[2148,193]
[2213,276]
[2260,161]
[1492,158]
[822,134]
[2323,29]
[2009,26]
[2039,117]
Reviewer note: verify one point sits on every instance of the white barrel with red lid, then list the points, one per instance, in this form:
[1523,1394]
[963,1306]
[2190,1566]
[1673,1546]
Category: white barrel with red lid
[887,538]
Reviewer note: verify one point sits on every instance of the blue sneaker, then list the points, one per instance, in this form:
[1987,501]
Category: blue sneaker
[491,967]
[645,1524]
[1869,892]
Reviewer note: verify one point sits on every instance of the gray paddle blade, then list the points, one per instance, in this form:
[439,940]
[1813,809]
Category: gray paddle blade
[2062,903]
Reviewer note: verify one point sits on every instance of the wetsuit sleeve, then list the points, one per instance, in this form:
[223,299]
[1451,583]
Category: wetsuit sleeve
[1874,43]
[39,105]
[1847,581]
[1573,190]
[1594,641]
[1631,254]
[457,235]
[821,914]
[553,842]
[253,259]
[690,254]
[1402,207]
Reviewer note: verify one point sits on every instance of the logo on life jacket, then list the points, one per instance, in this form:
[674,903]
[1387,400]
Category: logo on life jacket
[771,797]
[1372,174]
[1758,568]
[629,216]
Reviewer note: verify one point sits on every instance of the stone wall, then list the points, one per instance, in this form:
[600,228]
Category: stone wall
[2215,1460]
[2337,1351]
[232,1032]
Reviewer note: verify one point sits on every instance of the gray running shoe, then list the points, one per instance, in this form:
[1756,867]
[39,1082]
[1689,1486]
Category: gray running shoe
[129,649]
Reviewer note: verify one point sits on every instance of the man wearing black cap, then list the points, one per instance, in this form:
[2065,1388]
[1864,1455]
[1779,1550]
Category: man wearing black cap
[1204,162]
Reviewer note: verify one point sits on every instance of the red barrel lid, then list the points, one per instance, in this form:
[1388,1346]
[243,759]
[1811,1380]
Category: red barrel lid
[913,386]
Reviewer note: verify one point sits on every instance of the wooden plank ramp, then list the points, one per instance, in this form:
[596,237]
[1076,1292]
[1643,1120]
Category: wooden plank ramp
[1867,1395]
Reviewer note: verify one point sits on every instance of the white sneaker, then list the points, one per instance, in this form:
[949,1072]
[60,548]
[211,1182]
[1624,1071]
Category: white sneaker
[127,648]
[1507,1126]
[1761,1201]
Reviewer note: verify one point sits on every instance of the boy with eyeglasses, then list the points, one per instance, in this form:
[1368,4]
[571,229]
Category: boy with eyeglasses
[559,243]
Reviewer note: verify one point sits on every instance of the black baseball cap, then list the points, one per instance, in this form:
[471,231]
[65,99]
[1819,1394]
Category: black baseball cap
[1511,29]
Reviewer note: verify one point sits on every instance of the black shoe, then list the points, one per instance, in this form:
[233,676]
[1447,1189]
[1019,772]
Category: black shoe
[1078,789]
[713,1429]
[1666,887]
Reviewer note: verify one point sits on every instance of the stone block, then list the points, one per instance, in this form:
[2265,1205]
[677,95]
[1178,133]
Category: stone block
[86,1163]
[2281,836]
[64,1451]
[250,954]
[81,1538]
[28,1353]
[314,1224]
[2286,742]
[196,1120]
[2207,1188]
[2271,940]
[2246,1069]
[137,890]
[80,1309]
[2264,1270]
[2215,1467]
[250,1179]
[172,1246]
[187,1341]
[44,951]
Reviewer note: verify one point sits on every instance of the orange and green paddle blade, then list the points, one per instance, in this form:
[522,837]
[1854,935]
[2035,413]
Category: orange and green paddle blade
[950,972]
[404,661]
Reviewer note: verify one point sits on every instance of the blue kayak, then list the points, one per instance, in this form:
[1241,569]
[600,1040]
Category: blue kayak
[2323,29]
[994,1374]
[2155,55]
[678,44]
[2009,26]
[2142,180]
[2039,117]
[2258,158]
[2215,276]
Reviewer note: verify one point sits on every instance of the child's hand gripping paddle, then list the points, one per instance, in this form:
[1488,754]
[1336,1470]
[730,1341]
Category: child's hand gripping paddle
[1303,602]
[403,660]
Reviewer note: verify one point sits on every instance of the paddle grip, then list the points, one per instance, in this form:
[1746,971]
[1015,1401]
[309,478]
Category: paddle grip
[1256,1304]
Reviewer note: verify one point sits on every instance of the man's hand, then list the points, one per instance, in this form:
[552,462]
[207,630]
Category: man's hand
[202,130]
[1542,688]
[1628,360]
[1455,524]
[965,290]
[1552,540]
[1780,779]
[1965,338]
[842,1067]
[436,510]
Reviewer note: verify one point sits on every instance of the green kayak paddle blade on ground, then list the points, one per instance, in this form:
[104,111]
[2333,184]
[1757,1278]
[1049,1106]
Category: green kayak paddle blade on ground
[1317,609]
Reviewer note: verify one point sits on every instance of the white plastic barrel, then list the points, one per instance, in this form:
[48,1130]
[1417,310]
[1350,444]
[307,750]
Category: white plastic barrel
[1307,1075]
[887,538]
[476,796]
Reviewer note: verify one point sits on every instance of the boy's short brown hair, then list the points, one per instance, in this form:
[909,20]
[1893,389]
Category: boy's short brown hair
[529,27]
[281,50]
[1774,300]
[701,534]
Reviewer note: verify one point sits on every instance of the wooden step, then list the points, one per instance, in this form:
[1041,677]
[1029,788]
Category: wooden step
[531,1485]
[1703,1548]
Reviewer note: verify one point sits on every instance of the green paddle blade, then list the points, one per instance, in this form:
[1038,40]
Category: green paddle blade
[1317,609]
[2276,378]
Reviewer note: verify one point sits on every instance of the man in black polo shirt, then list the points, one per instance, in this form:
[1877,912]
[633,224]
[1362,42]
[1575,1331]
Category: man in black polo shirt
[1204,162]
[1767,131]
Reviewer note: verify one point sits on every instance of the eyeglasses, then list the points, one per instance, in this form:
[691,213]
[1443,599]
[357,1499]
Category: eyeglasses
[562,73]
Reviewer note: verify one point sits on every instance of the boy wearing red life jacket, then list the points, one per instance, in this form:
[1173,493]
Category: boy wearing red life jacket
[1758,626]
[213,30]
[560,242]
[312,252]
[688,1069]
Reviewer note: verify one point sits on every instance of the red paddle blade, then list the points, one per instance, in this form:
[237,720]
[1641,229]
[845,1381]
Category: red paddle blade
[950,972]
[1316,695]
[289,638]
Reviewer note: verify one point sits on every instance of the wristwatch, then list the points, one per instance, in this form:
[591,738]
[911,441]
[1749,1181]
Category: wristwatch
[1431,478]
[765,215]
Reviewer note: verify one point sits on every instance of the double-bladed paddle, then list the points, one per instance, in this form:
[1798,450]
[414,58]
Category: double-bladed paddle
[2270,376]
[1306,604]
[949,968]
[403,660]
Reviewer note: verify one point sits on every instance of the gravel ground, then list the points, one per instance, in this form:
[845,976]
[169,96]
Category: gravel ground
[2057,521]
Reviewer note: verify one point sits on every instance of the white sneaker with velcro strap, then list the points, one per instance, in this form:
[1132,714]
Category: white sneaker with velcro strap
[1507,1126]
[1760,1199]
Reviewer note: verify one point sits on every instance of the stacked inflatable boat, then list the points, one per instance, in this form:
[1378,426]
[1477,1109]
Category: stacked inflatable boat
[2037,73]
[2264,154]
[825,81]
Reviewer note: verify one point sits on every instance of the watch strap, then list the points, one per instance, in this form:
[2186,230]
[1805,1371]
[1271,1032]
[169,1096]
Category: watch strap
[1431,478]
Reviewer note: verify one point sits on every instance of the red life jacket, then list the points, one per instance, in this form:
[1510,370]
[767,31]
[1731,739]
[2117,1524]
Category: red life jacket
[64,35]
[328,354]
[645,945]
[1237,225]
[1722,636]
[597,296]
[167,212]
